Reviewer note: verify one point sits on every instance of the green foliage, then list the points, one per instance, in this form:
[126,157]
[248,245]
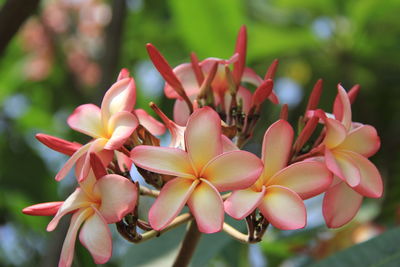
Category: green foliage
[382,251]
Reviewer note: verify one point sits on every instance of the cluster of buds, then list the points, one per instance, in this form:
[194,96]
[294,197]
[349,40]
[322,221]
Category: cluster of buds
[203,167]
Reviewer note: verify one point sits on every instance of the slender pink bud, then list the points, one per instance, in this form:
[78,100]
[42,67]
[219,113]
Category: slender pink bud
[315,95]
[206,85]
[58,144]
[43,209]
[164,68]
[353,93]
[272,70]
[240,49]
[284,112]
[306,133]
[262,92]
[196,68]
[97,166]
[124,73]
[166,71]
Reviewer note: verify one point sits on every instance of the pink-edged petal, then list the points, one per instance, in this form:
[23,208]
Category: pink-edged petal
[87,185]
[233,170]
[172,198]
[83,164]
[363,140]
[187,77]
[250,76]
[152,125]
[67,252]
[120,97]
[181,112]
[206,205]
[203,136]
[307,179]
[118,197]
[243,202]
[124,162]
[58,144]
[340,205]
[96,237]
[276,147]
[86,119]
[335,133]
[342,108]
[283,208]
[43,209]
[371,184]
[165,160]
[78,199]
[227,144]
[349,169]
[332,165]
[71,161]
[120,127]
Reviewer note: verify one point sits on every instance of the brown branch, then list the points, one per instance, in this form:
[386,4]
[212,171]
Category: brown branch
[12,15]
[188,246]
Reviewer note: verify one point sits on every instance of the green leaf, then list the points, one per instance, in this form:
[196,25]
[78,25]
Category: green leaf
[382,250]
[209,27]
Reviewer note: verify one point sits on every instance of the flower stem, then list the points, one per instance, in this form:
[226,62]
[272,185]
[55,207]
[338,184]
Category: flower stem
[188,246]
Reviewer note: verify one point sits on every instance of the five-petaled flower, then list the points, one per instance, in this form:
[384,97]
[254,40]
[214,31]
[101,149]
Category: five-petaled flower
[109,126]
[347,148]
[202,171]
[96,203]
[280,189]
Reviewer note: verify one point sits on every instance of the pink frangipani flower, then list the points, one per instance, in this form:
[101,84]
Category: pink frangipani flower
[347,148]
[280,189]
[109,126]
[94,204]
[202,171]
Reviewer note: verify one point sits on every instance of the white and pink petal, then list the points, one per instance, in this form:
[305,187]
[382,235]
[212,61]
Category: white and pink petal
[276,147]
[118,197]
[205,203]
[243,202]
[172,198]
[203,136]
[120,127]
[233,170]
[87,119]
[340,205]
[164,160]
[307,179]
[95,236]
[283,208]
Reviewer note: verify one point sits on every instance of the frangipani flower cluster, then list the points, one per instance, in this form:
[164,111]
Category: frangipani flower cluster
[204,166]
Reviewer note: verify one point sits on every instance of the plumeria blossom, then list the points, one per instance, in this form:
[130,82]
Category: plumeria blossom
[280,189]
[94,204]
[190,77]
[347,148]
[202,171]
[109,126]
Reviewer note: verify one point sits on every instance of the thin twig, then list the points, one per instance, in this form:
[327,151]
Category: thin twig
[148,192]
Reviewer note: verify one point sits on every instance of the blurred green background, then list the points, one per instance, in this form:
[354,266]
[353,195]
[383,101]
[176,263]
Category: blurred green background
[69,52]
